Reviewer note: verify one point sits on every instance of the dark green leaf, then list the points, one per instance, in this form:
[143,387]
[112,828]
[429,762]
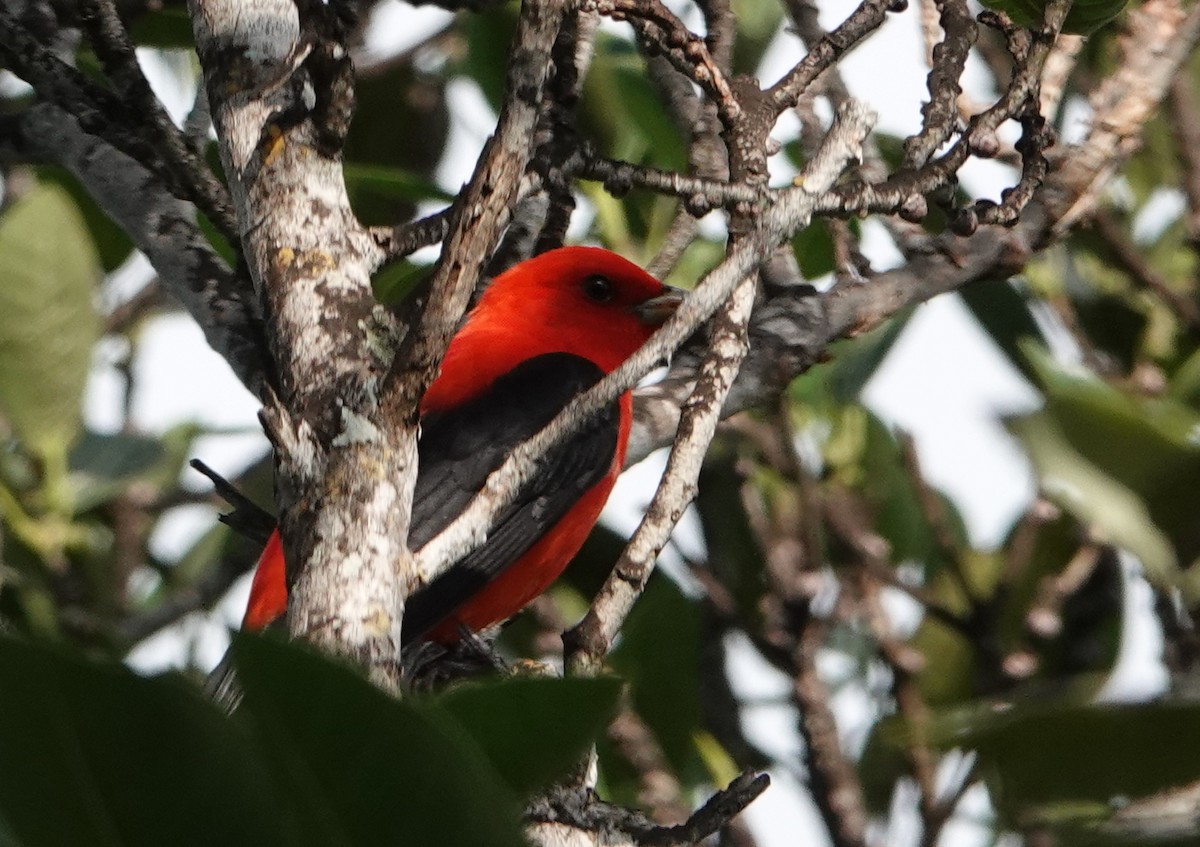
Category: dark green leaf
[757,23]
[398,280]
[1003,312]
[93,755]
[814,249]
[853,363]
[334,736]
[1084,18]
[734,554]
[533,731]
[1047,752]
[489,33]
[659,654]
[1094,497]
[389,171]
[168,27]
[621,109]
[393,182]
[1124,461]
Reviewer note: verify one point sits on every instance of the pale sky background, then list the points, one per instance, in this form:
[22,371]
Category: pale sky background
[950,403]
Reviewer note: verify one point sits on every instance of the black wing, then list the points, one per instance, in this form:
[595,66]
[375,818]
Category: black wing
[459,448]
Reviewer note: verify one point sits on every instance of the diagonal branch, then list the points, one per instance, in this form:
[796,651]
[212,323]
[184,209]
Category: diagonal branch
[113,45]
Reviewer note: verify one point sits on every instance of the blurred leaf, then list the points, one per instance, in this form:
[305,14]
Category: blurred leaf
[1156,162]
[863,454]
[1185,382]
[950,672]
[93,755]
[533,731]
[659,653]
[8,838]
[102,465]
[853,361]
[215,239]
[1038,753]
[622,110]
[1096,499]
[1148,448]
[734,555]
[388,171]
[699,258]
[396,281]
[757,23]
[813,247]
[485,60]
[348,752]
[1051,548]
[165,28]
[1003,312]
[882,764]
[1114,326]
[1084,18]
[47,321]
[857,361]
[392,182]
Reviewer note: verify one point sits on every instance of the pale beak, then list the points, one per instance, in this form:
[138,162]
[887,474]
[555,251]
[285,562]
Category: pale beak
[656,310]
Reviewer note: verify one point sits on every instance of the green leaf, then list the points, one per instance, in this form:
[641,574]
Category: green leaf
[813,246]
[659,654]
[1084,18]
[854,362]
[396,281]
[389,172]
[533,731]
[102,465]
[112,244]
[621,109]
[92,754]
[1095,498]
[47,321]
[392,182]
[168,27]
[1039,753]
[334,736]
[1003,312]
[757,22]
[734,554]
[1148,448]
[489,33]
[8,838]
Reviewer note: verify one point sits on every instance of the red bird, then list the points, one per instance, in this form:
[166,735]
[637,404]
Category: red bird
[543,332]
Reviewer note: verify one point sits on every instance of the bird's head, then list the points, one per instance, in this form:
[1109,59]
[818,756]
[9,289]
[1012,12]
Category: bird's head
[579,300]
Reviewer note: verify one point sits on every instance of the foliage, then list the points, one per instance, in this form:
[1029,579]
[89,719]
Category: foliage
[311,755]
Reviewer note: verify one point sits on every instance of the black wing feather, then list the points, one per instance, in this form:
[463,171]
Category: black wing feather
[460,447]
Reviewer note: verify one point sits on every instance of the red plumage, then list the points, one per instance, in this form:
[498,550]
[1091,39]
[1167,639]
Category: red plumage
[543,332]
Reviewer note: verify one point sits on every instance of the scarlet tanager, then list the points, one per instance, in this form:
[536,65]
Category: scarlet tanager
[542,333]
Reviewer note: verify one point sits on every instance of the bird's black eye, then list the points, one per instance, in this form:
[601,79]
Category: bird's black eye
[598,289]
